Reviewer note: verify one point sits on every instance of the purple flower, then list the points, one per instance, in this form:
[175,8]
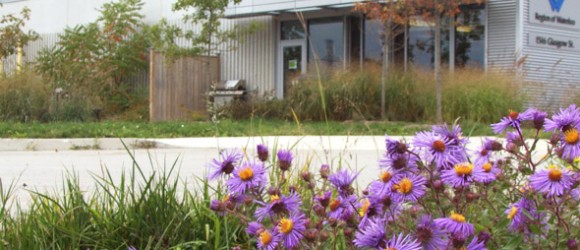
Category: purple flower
[371,236]
[229,159]
[409,187]
[575,193]
[395,147]
[461,175]
[513,120]
[439,149]
[454,136]
[279,205]
[405,161]
[269,239]
[487,172]
[342,208]
[385,183]
[456,225]
[429,235]
[254,228]
[570,149]
[476,244]
[521,214]
[537,117]
[324,199]
[369,208]
[403,243]
[563,121]
[552,182]
[248,176]
[291,228]
[284,159]
[262,152]
[484,153]
[342,180]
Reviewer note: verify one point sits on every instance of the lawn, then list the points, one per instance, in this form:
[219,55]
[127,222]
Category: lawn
[255,127]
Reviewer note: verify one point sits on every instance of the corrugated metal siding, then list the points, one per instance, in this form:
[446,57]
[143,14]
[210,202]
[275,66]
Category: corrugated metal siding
[501,30]
[552,76]
[253,57]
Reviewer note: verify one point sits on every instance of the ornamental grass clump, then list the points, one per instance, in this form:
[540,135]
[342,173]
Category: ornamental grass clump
[431,192]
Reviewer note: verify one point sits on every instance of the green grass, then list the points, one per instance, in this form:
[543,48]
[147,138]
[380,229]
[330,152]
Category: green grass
[256,127]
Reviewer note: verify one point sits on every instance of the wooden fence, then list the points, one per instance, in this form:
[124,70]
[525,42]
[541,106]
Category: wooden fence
[179,88]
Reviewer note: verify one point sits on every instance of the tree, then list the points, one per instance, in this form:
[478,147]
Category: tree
[206,13]
[430,10]
[12,33]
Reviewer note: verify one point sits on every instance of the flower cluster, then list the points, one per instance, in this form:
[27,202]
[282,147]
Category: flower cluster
[432,191]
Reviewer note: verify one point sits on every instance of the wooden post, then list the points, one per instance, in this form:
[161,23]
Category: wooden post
[151,84]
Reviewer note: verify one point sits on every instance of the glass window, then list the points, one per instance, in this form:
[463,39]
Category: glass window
[421,46]
[470,36]
[355,39]
[326,41]
[373,49]
[291,30]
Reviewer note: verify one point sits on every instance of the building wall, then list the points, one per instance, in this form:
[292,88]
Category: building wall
[501,34]
[552,74]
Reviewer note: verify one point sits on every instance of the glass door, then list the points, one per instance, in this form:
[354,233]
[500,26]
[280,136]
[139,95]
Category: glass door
[291,61]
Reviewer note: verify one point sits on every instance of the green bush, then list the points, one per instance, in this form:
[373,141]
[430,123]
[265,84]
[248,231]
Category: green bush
[23,97]
[410,96]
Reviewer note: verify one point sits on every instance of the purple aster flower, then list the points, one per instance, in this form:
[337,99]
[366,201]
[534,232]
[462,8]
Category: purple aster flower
[514,137]
[484,153]
[409,187]
[262,152]
[291,228]
[439,149]
[324,199]
[342,208]
[513,120]
[461,175]
[454,136]
[369,208]
[385,183]
[429,235]
[395,147]
[342,180]
[476,244]
[563,121]
[575,193]
[284,159]
[279,205]
[537,117]
[248,176]
[371,236]
[456,225]
[254,228]
[521,214]
[229,159]
[487,172]
[218,207]
[405,161]
[269,239]
[570,149]
[552,182]
[403,243]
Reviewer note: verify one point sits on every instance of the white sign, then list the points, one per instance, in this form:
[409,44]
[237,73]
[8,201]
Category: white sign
[554,41]
[563,14]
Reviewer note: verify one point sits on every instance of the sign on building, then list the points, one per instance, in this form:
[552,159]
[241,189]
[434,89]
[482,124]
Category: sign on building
[560,14]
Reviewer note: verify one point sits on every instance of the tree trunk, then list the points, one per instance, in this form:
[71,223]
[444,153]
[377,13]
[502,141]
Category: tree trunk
[386,66]
[437,55]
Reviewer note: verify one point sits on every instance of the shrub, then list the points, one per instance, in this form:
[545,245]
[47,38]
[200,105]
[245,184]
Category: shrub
[410,96]
[24,97]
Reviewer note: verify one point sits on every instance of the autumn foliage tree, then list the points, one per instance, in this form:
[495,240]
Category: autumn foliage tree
[12,33]
[395,14]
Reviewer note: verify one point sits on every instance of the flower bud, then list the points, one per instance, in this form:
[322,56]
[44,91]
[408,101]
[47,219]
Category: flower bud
[572,244]
[319,210]
[292,189]
[365,192]
[438,185]
[471,196]
[414,210]
[217,206]
[324,171]
[554,139]
[348,232]
[273,191]
[512,147]
[285,159]
[484,237]
[311,185]
[458,241]
[324,235]
[262,152]
[236,248]
[310,235]
[305,176]
[496,146]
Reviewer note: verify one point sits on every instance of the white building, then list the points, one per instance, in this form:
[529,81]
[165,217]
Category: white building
[536,39]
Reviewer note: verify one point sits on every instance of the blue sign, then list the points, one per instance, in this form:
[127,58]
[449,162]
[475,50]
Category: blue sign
[556,5]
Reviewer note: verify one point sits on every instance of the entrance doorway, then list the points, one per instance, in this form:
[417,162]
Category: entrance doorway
[291,64]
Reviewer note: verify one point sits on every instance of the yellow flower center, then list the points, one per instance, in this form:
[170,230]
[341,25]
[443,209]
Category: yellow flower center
[334,205]
[463,169]
[512,213]
[386,176]
[285,226]
[487,167]
[439,145]
[405,186]
[571,136]
[365,207]
[226,198]
[246,174]
[555,174]
[457,217]
[390,248]
[274,198]
[265,238]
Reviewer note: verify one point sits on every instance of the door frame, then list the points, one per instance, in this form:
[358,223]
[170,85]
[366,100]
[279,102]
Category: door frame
[280,63]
